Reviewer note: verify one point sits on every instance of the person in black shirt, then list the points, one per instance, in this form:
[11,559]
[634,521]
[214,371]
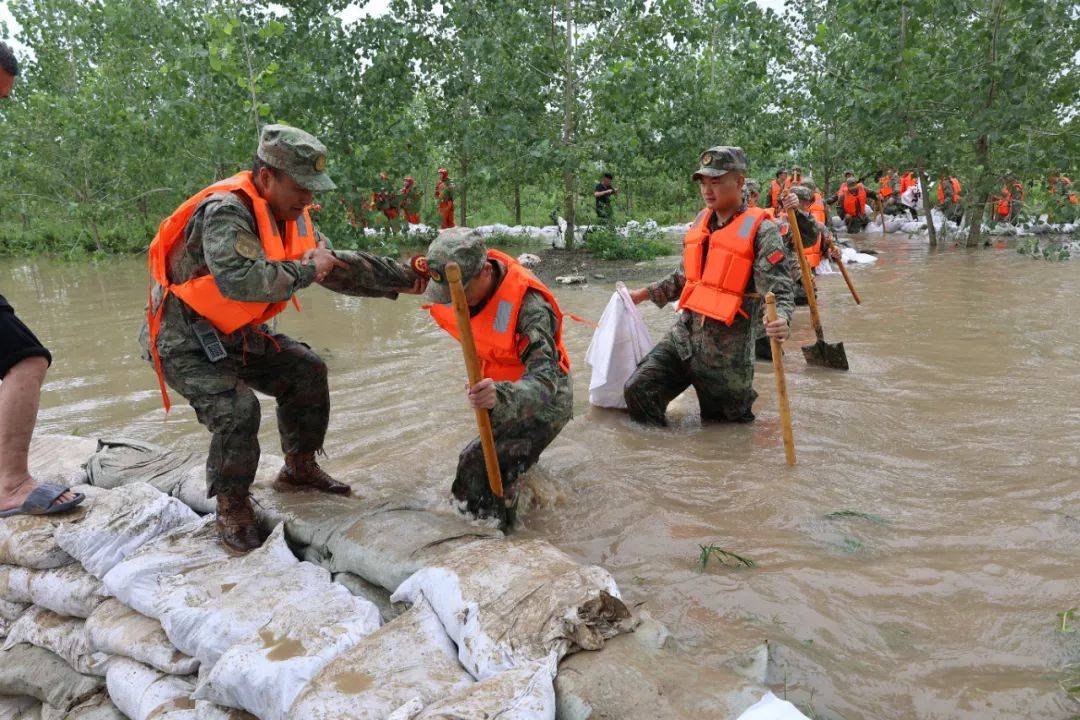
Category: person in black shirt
[603,193]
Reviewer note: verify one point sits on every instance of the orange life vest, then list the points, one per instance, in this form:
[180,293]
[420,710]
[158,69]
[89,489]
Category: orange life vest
[774,194]
[494,328]
[907,180]
[817,208]
[955,191]
[201,293]
[716,279]
[885,187]
[1003,202]
[854,203]
[813,253]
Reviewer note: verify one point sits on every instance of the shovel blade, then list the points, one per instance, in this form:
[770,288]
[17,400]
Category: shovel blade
[823,354]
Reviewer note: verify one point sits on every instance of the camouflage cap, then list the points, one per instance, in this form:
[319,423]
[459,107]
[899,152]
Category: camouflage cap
[752,186]
[852,181]
[461,245]
[809,184]
[720,160]
[297,154]
[802,192]
[848,172]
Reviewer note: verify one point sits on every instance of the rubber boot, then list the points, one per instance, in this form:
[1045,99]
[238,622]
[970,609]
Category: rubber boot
[301,472]
[236,522]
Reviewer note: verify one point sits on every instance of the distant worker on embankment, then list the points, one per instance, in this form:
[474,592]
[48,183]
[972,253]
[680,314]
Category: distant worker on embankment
[444,195]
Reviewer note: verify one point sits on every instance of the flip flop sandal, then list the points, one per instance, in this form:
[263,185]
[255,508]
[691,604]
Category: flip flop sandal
[40,501]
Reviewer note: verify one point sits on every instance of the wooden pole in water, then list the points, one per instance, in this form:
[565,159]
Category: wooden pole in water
[781,383]
[472,366]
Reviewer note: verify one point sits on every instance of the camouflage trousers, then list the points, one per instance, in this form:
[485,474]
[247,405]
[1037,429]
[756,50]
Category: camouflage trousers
[223,397]
[717,360]
[519,440]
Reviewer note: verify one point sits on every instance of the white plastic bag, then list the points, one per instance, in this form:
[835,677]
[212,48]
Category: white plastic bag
[618,345]
[524,693]
[264,672]
[141,693]
[67,590]
[116,629]
[509,602]
[408,660]
[135,580]
[63,636]
[771,707]
[117,522]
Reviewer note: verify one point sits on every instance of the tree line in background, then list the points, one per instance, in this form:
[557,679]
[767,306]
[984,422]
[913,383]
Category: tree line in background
[126,107]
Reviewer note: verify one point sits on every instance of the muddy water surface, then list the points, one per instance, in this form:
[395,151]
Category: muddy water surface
[956,432]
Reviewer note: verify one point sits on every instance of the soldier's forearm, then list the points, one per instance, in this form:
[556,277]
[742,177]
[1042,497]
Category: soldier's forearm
[369,275]
[263,280]
[668,289]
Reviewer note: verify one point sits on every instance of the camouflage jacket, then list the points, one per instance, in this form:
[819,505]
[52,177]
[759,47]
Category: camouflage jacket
[211,245]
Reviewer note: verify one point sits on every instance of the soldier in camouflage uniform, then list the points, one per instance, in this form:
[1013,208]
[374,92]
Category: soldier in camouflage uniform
[527,414]
[222,239]
[717,359]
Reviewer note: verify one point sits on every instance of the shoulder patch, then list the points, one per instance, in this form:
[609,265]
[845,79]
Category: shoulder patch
[247,245]
[777,256]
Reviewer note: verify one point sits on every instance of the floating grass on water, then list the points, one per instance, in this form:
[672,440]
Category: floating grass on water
[840,514]
[1066,617]
[724,556]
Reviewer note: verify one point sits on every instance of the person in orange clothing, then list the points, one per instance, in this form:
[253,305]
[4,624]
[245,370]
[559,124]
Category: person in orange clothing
[385,199]
[444,195]
[776,190]
[794,178]
[409,199]
[1063,200]
[907,180]
[948,196]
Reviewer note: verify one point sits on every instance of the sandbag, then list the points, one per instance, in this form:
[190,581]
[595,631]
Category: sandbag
[12,610]
[620,342]
[141,693]
[60,459]
[117,523]
[15,585]
[209,711]
[5,627]
[510,602]
[524,693]
[116,629]
[264,672]
[27,540]
[69,590]
[771,707]
[64,636]
[136,580]
[410,658]
[98,707]
[29,670]
[123,461]
[22,707]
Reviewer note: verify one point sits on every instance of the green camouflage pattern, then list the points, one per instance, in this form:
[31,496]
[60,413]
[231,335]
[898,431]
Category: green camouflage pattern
[461,245]
[720,160]
[257,359]
[716,359]
[296,153]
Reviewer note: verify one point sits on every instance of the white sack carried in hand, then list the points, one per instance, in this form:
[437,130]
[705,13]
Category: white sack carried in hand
[68,590]
[116,629]
[64,636]
[618,345]
[117,522]
[524,693]
[141,693]
[408,660]
[29,670]
[264,672]
[508,602]
[136,580]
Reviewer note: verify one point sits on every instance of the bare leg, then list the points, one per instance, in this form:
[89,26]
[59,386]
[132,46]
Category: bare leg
[20,393]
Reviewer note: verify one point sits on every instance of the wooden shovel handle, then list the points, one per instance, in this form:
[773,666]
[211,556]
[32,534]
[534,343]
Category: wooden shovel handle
[472,365]
[847,279]
[807,280]
[781,383]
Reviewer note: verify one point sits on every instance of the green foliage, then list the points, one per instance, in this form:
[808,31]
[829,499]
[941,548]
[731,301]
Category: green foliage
[638,242]
[725,557]
[1052,251]
[1067,617]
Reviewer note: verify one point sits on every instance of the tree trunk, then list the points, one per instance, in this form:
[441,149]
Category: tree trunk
[463,219]
[982,145]
[569,179]
[517,202]
[925,187]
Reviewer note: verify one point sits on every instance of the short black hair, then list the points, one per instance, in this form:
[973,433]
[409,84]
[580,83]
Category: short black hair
[781,171]
[258,164]
[7,60]
[609,176]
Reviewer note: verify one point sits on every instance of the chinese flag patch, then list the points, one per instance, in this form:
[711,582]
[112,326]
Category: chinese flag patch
[776,257]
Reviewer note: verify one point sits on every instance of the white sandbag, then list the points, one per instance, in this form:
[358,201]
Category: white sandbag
[408,659]
[69,590]
[851,256]
[619,343]
[771,707]
[123,461]
[63,636]
[136,580]
[141,693]
[11,611]
[30,670]
[60,459]
[207,611]
[15,585]
[117,522]
[5,627]
[513,601]
[209,711]
[19,707]
[116,629]
[98,707]
[524,693]
[264,672]
[27,541]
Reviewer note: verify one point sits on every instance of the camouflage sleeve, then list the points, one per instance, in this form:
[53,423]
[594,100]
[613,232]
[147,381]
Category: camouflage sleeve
[771,272]
[236,259]
[664,291]
[808,228]
[536,328]
[368,275]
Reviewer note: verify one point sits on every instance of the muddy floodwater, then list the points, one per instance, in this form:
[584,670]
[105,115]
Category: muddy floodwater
[954,441]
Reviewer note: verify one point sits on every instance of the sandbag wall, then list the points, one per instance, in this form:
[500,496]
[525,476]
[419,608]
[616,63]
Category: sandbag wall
[130,607]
